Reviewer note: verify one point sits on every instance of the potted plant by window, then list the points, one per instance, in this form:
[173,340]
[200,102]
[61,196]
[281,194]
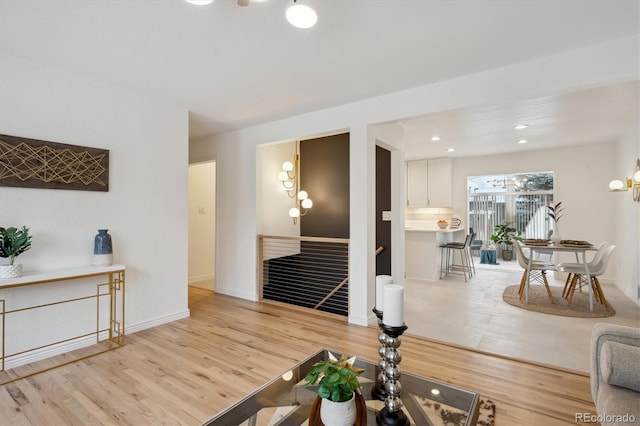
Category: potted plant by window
[337,381]
[13,242]
[504,235]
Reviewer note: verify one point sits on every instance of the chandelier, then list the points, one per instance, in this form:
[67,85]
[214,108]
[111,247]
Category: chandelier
[504,182]
[290,179]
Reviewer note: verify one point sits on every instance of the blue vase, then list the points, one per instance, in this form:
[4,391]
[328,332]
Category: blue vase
[102,248]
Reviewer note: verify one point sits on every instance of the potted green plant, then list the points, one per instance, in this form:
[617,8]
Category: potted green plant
[337,380]
[13,242]
[504,235]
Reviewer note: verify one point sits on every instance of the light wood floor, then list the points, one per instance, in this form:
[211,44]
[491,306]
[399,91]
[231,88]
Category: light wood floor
[184,372]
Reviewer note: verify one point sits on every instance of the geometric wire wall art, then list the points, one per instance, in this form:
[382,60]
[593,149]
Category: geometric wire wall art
[33,163]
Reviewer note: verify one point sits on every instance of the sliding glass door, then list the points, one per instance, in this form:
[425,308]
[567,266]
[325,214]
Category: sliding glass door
[520,199]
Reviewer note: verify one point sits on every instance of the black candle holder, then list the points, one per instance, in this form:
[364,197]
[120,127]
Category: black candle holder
[379,391]
[392,414]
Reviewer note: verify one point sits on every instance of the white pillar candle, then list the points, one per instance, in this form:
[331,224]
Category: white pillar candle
[381,282]
[393,305]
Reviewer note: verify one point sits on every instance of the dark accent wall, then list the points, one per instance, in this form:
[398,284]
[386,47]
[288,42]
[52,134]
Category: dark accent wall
[324,174]
[383,202]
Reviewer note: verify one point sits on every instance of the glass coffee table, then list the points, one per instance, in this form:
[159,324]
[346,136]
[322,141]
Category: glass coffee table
[286,401]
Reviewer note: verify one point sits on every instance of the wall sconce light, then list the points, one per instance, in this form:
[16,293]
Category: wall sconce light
[290,179]
[628,183]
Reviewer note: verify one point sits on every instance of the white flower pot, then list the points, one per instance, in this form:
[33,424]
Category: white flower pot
[10,271]
[338,413]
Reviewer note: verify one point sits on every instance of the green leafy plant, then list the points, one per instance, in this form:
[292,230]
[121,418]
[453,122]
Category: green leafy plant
[14,242]
[555,211]
[337,379]
[505,234]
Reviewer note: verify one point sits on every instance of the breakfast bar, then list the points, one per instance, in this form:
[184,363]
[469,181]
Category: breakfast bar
[422,250]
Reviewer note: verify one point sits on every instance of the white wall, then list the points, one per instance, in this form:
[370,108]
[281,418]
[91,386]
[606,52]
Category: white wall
[145,209]
[202,224]
[235,151]
[627,217]
[581,176]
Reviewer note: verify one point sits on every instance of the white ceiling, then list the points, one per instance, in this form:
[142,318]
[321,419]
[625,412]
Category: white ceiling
[234,67]
[595,115]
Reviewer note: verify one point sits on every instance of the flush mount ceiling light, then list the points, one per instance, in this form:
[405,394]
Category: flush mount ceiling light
[451,150]
[301,16]
[522,141]
[435,138]
[199,2]
[521,126]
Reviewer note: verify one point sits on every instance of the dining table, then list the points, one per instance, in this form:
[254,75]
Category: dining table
[580,251]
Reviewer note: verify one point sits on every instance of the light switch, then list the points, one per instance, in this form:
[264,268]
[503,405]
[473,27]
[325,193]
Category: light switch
[201,210]
[386,216]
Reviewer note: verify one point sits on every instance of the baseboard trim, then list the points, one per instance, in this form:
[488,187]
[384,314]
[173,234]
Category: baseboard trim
[83,342]
[238,294]
[199,278]
[157,321]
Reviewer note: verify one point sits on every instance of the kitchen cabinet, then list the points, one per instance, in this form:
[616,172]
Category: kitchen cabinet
[429,183]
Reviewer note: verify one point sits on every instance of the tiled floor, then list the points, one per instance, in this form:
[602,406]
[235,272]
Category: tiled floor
[473,314]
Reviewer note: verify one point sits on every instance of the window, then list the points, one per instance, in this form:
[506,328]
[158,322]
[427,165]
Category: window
[520,199]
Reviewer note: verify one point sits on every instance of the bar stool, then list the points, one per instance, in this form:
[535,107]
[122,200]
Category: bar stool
[447,256]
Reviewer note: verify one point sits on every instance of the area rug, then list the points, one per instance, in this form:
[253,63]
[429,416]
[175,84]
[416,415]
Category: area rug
[444,415]
[539,302]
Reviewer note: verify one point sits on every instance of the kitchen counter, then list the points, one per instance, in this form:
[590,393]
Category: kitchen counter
[422,250]
[446,230]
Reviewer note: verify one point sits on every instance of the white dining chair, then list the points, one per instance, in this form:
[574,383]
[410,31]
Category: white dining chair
[537,272]
[575,265]
[595,270]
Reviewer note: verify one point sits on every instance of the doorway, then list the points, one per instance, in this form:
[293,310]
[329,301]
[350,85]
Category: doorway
[202,225]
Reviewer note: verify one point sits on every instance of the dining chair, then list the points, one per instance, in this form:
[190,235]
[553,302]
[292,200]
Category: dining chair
[574,265]
[538,270]
[595,270]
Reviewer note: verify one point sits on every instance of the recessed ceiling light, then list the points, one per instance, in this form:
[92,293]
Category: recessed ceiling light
[199,2]
[521,141]
[435,138]
[301,16]
[451,150]
[521,126]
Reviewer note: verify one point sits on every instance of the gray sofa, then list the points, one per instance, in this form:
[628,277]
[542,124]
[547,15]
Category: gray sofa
[615,374]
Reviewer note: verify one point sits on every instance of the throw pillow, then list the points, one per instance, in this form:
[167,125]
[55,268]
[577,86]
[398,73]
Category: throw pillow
[620,365]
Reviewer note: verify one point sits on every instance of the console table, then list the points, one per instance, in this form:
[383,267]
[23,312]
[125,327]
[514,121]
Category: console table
[109,291]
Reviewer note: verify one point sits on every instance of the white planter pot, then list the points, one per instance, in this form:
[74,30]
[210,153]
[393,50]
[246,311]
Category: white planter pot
[10,271]
[338,413]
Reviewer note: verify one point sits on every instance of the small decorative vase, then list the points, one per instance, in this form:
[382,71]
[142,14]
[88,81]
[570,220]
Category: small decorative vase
[102,249]
[10,271]
[338,413]
[555,236]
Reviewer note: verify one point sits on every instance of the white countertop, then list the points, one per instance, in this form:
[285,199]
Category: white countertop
[447,230]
